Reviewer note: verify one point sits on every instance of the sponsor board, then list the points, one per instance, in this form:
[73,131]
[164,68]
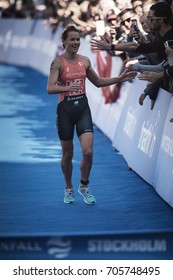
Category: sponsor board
[132,246]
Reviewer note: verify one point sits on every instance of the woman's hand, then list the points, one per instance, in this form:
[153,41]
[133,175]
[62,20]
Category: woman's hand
[75,87]
[127,76]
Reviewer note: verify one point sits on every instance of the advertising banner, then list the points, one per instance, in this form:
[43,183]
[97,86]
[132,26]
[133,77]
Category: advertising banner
[32,45]
[139,131]
[164,169]
[149,246]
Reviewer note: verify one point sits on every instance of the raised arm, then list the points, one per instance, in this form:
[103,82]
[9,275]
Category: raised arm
[102,82]
[142,67]
[102,44]
[151,76]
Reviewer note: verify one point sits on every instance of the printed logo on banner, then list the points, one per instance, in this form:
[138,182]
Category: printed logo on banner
[56,247]
[59,248]
[130,122]
[126,246]
[167,145]
[148,136]
[7,246]
[7,39]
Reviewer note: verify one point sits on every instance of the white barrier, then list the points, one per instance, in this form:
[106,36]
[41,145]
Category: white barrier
[163,181]
[28,43]
[143,136]
[139,131]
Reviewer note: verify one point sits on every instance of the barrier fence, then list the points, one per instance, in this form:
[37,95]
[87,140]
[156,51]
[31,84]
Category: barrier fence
[143,136]
[120,247]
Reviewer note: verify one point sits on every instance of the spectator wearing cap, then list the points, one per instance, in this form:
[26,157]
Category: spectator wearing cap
[113,25]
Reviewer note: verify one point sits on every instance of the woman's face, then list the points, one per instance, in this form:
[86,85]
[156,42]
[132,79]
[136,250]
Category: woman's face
[72,42]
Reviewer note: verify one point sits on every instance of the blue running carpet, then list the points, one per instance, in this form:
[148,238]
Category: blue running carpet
[31,181]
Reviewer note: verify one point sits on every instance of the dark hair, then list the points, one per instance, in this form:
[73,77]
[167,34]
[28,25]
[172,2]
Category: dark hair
[123,12]
[161,9]
[69,28]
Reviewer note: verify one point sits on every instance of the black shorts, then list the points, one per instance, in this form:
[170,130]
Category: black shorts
[73,111]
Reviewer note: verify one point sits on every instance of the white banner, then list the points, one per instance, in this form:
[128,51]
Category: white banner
[140,130]
[164,169]
[86,269]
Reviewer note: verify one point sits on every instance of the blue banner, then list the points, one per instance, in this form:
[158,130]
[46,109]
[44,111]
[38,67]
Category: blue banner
[155,246]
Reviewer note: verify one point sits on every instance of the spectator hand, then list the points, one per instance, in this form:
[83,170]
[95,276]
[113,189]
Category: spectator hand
[169,53]
[130,61]
[150,76]
[129,68]
[136,34]
[100,44]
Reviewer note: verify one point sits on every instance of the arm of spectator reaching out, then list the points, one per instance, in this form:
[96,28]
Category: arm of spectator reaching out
[150,76]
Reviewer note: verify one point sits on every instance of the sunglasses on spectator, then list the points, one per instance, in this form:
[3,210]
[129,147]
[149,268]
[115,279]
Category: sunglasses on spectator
[126,20]
[155,18]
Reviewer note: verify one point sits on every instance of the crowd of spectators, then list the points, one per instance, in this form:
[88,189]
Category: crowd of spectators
[83,13]
[147,37]
[111,18]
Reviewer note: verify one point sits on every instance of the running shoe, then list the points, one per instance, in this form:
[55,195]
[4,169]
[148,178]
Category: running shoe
[69,196]
[88,197]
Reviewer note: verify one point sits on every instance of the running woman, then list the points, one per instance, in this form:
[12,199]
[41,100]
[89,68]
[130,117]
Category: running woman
[68,73]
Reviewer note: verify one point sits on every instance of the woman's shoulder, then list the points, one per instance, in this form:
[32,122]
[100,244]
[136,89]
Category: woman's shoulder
[85,59]
[57,63]
[58,60]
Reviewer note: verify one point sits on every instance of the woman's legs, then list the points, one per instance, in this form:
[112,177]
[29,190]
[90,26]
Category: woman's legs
[86,141]
[66,162]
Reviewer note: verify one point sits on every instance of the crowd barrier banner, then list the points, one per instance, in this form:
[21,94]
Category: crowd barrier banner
[32,45]
[139,131]
[148,246]
[164,169]
[143,136]
[108,115]
[104,112]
